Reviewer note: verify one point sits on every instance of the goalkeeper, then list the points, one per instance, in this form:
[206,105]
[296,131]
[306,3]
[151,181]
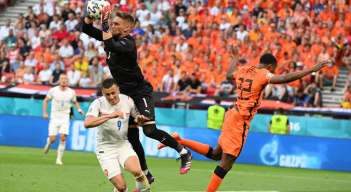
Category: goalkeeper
[121,54]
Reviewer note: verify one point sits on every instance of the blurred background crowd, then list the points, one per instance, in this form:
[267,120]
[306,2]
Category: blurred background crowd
[188,47]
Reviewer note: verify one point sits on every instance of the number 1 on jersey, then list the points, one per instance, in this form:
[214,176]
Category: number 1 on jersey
[119,124]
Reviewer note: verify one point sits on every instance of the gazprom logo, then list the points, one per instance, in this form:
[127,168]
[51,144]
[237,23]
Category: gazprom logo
[82,139]
[269,152]
[275,155]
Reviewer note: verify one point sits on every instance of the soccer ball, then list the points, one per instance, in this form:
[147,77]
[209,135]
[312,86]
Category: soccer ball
[94,8]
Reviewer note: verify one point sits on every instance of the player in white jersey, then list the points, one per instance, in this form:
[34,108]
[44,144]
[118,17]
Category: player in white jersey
[62,96]
[110,114]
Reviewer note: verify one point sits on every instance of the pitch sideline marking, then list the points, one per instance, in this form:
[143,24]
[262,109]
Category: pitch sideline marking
[228,191]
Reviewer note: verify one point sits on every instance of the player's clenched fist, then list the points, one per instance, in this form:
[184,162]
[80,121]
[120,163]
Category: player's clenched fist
[141,119]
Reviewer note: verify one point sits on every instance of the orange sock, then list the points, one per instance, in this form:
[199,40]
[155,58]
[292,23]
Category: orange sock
[214,183]
[216,180]
[195,146]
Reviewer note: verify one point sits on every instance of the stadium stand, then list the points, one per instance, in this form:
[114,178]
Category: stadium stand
[193,44]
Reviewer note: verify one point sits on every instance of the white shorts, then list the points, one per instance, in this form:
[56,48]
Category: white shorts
[111,160]
[59,125]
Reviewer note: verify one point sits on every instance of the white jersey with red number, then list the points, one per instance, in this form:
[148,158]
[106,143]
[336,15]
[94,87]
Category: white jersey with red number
[61,102]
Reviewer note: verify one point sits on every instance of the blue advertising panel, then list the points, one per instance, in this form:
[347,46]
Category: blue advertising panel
[23,131]
[260,148]
[297,152]
[300,125]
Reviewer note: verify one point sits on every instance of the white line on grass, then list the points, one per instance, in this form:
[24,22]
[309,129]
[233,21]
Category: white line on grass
[228,191]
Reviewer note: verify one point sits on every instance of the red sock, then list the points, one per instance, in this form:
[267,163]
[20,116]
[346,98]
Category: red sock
[214,183]
[195,146]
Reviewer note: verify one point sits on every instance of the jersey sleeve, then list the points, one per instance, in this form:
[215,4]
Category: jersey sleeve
[74,96]
[90,30]
[50,93]
[94,109]
[133,110]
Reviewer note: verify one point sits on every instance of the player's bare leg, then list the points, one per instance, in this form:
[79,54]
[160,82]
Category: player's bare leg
[61,149]
[132,165]
[215,154]
[203,149]
[50,140]
[221,170]
[119,183]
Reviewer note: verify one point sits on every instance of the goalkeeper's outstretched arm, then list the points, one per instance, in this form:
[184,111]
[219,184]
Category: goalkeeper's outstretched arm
[89,29]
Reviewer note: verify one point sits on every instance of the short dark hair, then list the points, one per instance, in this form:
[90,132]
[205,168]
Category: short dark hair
[280,110]
[126,17]
[107,83]
[268,59]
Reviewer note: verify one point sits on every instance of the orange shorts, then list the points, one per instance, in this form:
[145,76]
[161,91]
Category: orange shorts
[234,132]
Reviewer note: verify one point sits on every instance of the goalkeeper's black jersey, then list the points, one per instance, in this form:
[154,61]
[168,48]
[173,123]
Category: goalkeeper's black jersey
[122,60]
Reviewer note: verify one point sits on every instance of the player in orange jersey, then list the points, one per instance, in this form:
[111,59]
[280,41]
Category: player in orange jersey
[251,81]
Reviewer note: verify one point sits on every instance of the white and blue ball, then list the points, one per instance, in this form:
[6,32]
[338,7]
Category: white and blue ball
[94,8]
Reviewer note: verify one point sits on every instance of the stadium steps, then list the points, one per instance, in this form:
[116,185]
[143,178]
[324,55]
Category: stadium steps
[333,99]
[13,12]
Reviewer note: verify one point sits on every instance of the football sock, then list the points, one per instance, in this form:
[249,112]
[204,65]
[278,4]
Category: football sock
[162,136]
[216,179]
[133,138]
[61,149]
[48,144]
[141,182]
[183,151]
[196,146]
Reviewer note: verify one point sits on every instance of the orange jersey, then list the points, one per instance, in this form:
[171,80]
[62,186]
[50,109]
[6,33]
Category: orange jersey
[250,82]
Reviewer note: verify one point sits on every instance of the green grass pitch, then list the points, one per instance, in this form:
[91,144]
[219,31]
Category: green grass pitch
[28,169]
